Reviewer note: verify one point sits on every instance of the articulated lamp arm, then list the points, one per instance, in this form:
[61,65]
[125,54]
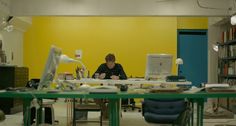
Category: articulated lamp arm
[66,59]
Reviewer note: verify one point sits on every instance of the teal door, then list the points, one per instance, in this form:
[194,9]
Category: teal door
[192,48]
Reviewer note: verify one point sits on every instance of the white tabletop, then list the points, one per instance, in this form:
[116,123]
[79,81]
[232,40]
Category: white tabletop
[128,81]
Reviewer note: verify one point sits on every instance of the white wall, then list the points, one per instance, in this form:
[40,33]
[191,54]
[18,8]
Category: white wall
[4,8]
[213,37]
[13,42]
[215,27]
[118,7]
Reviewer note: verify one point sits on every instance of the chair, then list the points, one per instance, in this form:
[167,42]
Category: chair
[85,106]
[48,116]
[168,111]
[128,103]
[47,105]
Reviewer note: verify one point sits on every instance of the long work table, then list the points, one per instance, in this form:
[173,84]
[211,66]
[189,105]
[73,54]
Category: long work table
[133,81]
[114,100]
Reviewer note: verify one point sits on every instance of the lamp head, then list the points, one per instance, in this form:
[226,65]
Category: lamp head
[179,61]
[215,47]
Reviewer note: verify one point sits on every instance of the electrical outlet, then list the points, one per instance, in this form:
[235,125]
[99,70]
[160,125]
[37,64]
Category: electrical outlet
[78,54]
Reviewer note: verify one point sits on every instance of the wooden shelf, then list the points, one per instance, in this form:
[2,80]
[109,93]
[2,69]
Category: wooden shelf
[230,42]
[227,76]
[228,58]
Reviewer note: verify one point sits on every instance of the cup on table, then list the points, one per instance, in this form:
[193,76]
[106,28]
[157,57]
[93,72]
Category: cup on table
[96,75]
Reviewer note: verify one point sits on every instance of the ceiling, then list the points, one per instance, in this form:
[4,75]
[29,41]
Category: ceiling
[121,7]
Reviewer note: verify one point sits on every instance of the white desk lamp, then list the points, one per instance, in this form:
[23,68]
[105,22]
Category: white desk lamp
[65,59]
[178,62]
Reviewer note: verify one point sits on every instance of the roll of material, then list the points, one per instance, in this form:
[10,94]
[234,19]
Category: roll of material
[2,116]
[3,58]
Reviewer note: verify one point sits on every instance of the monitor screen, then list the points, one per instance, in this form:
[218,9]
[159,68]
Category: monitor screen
[158,66]
[50,68]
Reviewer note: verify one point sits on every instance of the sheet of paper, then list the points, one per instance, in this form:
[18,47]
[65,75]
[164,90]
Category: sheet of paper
[216,85]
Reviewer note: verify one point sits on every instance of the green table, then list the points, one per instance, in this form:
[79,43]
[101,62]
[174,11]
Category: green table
[114,100]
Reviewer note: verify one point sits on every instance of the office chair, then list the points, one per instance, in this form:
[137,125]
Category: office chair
[128,103]
[166,111]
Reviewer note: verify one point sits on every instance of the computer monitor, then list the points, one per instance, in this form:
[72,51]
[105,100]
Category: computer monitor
[158,66]
[50,67]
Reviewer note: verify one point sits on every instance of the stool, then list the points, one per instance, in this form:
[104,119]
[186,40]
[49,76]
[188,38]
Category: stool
[48,116]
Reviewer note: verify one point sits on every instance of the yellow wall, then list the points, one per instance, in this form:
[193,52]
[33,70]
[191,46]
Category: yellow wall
[192,22]
[129,38]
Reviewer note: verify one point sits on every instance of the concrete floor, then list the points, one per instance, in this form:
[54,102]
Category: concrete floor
[129,118]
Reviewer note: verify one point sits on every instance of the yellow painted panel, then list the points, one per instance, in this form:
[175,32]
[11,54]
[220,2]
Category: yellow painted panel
[192,22]
[129,38]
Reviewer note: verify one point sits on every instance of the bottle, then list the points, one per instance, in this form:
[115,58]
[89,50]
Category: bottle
[77,70]
[88,76]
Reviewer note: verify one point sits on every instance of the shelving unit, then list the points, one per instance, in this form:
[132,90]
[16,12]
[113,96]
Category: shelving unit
[227,61]
[227,64]
[12,76]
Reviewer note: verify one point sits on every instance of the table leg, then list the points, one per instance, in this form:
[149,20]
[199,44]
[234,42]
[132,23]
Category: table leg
[69,111]
[200,110]
[119,111]
[39,117]
[26,111]
[73,111]
[114,114]
[192,114]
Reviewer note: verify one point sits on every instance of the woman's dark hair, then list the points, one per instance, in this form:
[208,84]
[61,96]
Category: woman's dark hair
[110,58]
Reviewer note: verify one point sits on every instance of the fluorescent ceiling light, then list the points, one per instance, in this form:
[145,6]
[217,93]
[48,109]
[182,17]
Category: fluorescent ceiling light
[9,28]
[6,24]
